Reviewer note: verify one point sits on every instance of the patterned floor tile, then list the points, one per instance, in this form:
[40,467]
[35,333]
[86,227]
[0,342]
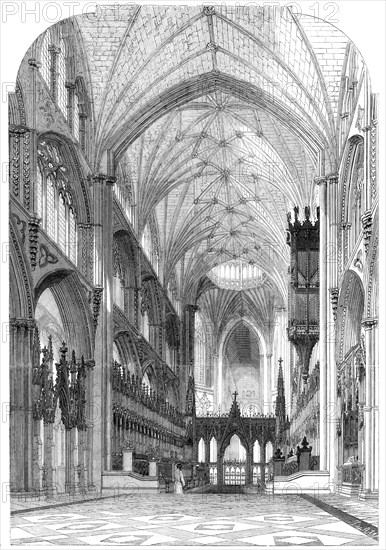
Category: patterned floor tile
[133,538]
[279,519]
[17,533]
[165,518]
[206,540]
[216,527]
[338,527]
[197,520]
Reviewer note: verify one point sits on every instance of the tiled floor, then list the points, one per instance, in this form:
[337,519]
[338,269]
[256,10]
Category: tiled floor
[194,520]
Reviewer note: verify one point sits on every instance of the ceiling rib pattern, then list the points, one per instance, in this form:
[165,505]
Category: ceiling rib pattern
[219,118]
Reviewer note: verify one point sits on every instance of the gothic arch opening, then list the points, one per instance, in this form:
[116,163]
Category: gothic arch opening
[242,367]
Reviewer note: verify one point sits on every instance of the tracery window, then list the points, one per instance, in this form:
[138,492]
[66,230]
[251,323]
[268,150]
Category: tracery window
[76,116]
[150,244]
[356,194]
[123,190]
[146,242]
[66,86]
[54,198]
[62,90]
[46,58]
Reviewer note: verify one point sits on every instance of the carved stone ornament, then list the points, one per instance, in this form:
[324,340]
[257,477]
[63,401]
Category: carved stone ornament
[334,297]
[212,47]
[46,395]
[209,10]
[71,389]
[33,234]
[367,223]
[23,225]
[46,257]
[128,444]
[96,303]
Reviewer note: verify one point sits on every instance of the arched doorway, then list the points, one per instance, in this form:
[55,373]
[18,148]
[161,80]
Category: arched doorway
[234,463]
[62,386]
[242,369]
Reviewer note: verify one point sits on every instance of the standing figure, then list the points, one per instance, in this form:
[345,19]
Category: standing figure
[179,481]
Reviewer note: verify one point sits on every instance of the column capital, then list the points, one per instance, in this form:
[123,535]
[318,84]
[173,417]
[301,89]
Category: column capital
[369,323]
[191,308]
[345,226]
[333,178]
[103,178]
[29,324]
[34,63]
[320,180]
[19,129]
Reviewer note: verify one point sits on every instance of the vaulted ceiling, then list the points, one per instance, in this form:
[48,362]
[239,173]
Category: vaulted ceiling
[222,117]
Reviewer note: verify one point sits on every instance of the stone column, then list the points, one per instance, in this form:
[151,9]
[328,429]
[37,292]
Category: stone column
[190,311]
[332,257]
[375,403]
[188,348]
[81,460]
[48,486]
[102,307]
[249,466]
[220,469]
[269,381]
[152,468]
[368,409]
[216,397]
[323,222]
[22,441]
[207,452]
[127,465]
[220,397]
[266,404]
[70,460]
[92,417]
[262,461]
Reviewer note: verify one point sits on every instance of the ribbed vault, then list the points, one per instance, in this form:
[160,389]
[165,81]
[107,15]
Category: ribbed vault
[219,118]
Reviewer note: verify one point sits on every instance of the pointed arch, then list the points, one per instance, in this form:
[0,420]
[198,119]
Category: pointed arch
[350,314]
[74,308]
